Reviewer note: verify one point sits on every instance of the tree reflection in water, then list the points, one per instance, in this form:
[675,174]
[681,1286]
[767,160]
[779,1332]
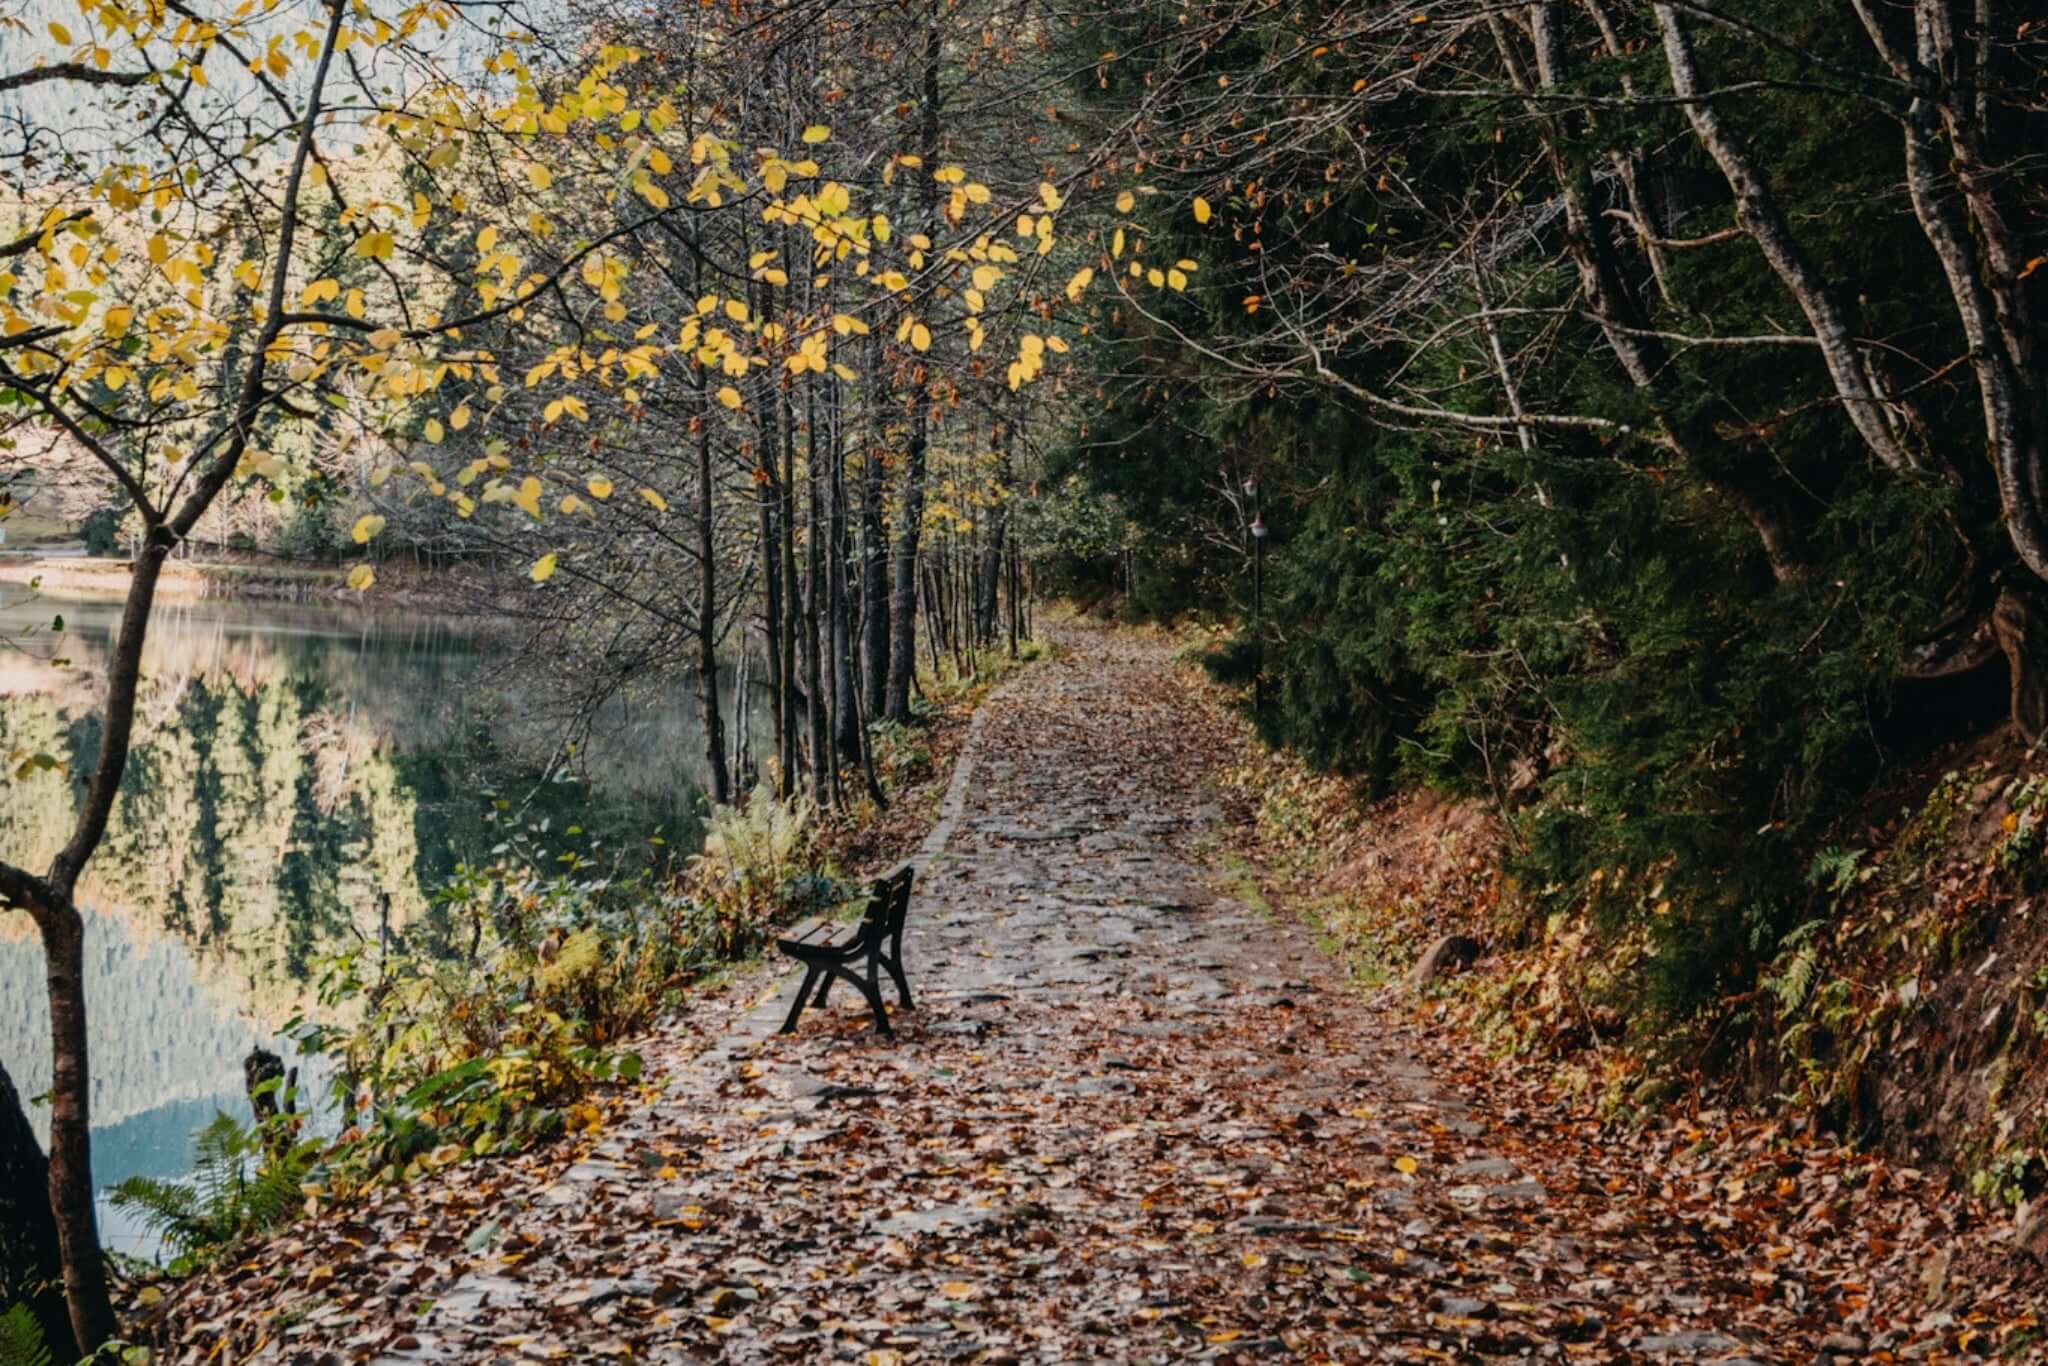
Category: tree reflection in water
[302,778]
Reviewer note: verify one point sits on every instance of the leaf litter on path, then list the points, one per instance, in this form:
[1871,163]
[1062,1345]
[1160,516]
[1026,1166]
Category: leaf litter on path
[1130,1119]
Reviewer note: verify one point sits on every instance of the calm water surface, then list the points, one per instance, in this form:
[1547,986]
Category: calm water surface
[298,775]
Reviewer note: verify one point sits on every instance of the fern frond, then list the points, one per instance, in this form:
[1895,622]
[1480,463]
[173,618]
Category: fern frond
[21,1339]
[172,1210]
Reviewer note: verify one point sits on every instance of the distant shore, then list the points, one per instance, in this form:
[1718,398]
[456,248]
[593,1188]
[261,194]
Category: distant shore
[107,577]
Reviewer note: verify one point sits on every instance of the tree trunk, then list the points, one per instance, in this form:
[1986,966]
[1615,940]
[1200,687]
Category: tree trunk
[994,559]
[707,616]
[1756,209]
[1747,484]
[31,1266]
[71,1183]
[875,598]
[2022,632]
[792,602]
[822,764]
[845,706]
[903,614]
[1990,302]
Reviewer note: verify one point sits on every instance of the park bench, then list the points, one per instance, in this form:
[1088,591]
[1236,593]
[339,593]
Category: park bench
[856,953]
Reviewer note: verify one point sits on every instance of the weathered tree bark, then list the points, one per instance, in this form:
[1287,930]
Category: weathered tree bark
[31,1267]
[707,613]
[2022,632]
[816,699]
[839,607]
[903,607]
[1750,488]
[874,551]
[790,628]
[1966,226]
[771,606]
[50,903]
[1756,209]
[992,549]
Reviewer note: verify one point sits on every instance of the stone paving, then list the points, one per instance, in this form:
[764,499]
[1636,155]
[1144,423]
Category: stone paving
[1130,1119]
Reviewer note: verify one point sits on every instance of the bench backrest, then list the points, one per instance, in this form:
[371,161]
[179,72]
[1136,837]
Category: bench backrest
[888,905]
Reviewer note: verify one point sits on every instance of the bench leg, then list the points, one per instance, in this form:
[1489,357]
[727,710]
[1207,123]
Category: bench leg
[870,989]
[802,997]
[895,966]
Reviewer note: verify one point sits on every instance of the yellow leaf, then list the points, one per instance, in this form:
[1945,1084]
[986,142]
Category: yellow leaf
[600,487]
[539,176]
[366,528]
[1405,1165]
[544,568]
[729,396]
[1201,209]
[361,577]
[487,239]
[59,32]
[118,320]
[353,305]
[434,430]
[654,500]
[920,337]
[817,132]
[1126,201]
[956,1290]
[528,497]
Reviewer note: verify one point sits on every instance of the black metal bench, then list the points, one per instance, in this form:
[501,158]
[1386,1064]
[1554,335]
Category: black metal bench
[877,941]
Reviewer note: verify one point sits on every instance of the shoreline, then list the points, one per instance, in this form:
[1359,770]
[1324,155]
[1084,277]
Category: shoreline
[104,578]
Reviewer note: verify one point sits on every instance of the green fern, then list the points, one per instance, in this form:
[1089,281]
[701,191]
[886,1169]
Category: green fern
[1794,981]
[238,1187]
[21,1339]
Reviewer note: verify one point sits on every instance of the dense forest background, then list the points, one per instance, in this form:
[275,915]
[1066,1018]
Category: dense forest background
[1628,415]
[1642,403]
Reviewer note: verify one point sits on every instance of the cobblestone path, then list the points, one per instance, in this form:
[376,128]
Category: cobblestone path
[1130,1119]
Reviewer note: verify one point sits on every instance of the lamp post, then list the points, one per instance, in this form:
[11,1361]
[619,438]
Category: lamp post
[1251,490]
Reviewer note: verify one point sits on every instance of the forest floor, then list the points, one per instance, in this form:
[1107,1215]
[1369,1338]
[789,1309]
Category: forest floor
[1133,1117]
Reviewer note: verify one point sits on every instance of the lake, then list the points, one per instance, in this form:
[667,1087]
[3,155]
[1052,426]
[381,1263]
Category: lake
[301,776]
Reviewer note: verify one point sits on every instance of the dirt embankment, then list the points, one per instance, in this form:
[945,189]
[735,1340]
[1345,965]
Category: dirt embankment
[1910,1012]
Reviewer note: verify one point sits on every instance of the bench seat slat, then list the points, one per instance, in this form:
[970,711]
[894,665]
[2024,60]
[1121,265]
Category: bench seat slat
[829,950]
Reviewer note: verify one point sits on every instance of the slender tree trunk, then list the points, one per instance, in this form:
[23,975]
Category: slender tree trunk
[788,629]
[1748,486]
[993,556]
[31,1262]
[707,615]
[822,764]
[876,601]
[1756,209]
[771,590]
[845,706]
[903,616]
